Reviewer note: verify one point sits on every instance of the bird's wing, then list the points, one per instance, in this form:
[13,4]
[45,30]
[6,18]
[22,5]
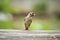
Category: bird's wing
[28,22]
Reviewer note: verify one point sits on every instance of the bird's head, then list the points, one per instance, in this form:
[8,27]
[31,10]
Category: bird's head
[32,14]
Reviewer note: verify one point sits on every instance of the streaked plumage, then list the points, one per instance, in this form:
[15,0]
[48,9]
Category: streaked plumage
[28,20]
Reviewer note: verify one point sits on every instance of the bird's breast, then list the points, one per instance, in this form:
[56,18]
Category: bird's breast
[28,20]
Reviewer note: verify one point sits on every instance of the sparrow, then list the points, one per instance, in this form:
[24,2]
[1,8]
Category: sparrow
[28,20]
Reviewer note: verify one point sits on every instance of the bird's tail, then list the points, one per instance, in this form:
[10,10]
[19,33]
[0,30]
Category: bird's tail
[26,28]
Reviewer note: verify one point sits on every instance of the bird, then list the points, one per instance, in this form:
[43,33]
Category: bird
[28,20]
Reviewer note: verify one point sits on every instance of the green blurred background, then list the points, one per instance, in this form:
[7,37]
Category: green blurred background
[13,12]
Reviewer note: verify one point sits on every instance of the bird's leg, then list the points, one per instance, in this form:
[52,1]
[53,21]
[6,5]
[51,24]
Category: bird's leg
[26,27]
